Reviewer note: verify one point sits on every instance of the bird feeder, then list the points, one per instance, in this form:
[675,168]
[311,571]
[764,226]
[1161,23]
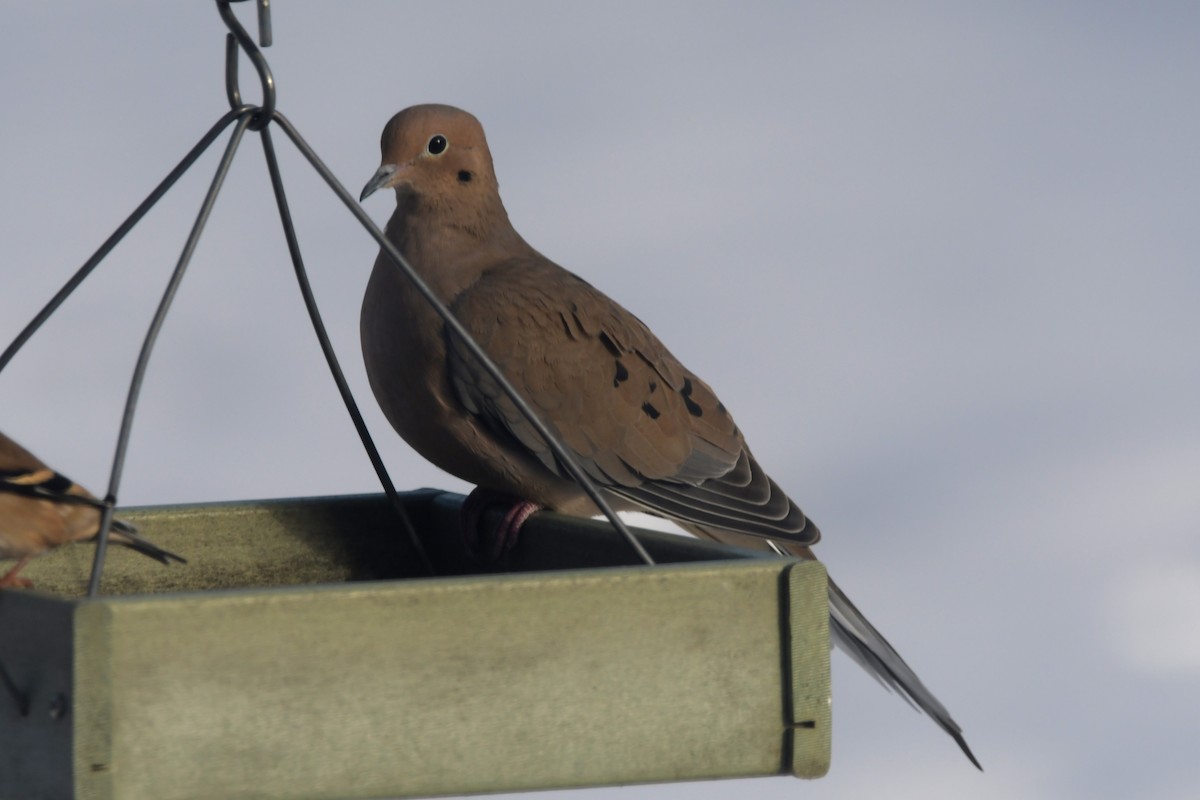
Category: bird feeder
[292,658]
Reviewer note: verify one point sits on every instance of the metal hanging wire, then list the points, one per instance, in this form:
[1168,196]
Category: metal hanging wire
[259,119]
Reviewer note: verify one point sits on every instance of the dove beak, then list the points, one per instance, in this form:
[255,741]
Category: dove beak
[385,176]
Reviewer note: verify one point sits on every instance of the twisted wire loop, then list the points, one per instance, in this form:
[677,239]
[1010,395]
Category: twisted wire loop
[236,39]
[258,118]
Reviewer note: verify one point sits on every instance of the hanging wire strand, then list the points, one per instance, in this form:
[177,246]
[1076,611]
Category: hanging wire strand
[116,237]
[239,37]
[143,361]
[335,369]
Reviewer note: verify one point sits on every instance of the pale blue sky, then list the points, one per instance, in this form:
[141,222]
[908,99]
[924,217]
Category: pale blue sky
[942,261]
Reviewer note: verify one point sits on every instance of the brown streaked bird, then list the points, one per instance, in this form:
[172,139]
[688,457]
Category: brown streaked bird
[649,432]
[41,509]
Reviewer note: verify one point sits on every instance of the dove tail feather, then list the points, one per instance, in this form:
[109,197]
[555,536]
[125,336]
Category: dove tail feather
[858,638]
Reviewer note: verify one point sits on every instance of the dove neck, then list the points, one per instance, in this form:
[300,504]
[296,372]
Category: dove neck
[450,244]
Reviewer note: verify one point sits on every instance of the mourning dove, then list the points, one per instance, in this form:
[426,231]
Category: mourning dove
[649,432]
[41,509]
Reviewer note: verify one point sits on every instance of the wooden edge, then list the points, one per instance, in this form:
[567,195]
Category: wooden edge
[807,644]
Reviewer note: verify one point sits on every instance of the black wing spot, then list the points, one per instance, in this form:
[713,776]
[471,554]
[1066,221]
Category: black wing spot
[608,343]
[464,176]
[59,484]
[692,406]
[651,411]
[653,387]
[622,374]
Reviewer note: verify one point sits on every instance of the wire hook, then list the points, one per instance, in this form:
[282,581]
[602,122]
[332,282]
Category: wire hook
[238,37]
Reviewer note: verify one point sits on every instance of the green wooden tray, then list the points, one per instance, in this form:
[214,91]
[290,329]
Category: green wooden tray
[293,658]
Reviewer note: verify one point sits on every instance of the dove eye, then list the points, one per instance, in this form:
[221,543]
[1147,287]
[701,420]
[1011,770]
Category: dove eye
[437,145]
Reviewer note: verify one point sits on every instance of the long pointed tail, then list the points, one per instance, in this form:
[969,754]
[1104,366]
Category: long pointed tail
[851,632]
[858,639]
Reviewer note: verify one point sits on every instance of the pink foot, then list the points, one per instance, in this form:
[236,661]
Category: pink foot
[502,538]
[10,579]
[505,536]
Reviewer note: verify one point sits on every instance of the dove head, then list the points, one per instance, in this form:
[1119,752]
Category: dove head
[435,151]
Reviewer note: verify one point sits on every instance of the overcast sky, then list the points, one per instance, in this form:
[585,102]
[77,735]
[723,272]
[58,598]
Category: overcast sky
[941,261]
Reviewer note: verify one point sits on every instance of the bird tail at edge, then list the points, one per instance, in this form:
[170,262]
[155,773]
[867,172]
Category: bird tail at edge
[859,639]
